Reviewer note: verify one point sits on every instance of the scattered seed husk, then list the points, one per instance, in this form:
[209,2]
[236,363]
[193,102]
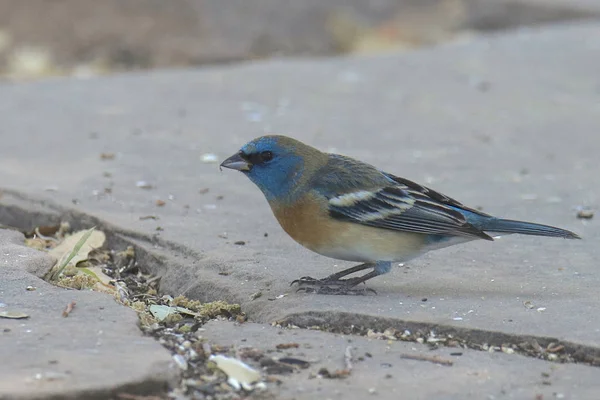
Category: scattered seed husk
[255,296]
[283,346]
[528,304]
[13,315]
[337,374]
[585,214]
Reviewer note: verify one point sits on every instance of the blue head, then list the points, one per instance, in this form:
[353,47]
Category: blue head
[276,164]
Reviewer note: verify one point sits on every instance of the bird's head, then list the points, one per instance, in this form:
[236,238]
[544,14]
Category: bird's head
[276,164]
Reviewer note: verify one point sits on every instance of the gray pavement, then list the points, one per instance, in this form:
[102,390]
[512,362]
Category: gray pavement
[379,371]
[96,352]
[506,122]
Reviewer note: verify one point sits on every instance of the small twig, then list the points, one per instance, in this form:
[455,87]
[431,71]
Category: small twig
[555,349]
[68,309]
[433,359]
[348,358]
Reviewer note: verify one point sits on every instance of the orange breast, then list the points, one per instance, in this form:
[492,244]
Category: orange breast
[307,222]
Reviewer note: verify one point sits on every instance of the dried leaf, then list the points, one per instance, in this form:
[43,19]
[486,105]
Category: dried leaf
[74,249]
[161,312]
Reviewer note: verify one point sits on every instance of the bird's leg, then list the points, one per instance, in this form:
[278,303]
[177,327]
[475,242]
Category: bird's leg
[334,285]
[337,275]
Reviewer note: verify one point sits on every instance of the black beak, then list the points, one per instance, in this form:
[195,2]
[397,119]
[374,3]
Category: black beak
[237,162]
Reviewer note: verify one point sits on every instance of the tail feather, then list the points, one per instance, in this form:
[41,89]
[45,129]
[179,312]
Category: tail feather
[526,228]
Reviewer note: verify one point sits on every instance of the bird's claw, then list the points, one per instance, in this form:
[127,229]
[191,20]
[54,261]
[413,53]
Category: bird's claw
[304,280]
[337,291]
[307,284]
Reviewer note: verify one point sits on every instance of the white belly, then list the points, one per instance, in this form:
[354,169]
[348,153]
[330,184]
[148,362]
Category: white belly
[356,243]
[385,246]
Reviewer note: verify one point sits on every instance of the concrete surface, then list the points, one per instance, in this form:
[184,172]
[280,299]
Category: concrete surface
[94,353]
[506,122]
[378,371]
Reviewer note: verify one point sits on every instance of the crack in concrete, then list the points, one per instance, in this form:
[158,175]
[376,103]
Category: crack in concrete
[541,347]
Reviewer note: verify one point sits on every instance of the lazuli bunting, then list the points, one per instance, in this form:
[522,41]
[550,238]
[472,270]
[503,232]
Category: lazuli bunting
[349,210]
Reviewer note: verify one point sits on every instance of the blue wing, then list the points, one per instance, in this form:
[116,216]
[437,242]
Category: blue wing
[359,193]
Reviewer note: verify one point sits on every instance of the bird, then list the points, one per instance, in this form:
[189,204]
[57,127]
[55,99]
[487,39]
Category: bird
[346,209]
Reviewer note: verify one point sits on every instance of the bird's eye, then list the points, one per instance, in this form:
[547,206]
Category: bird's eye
[258,158]
[266,156]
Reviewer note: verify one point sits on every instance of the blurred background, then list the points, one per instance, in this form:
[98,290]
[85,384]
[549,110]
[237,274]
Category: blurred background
[42,38]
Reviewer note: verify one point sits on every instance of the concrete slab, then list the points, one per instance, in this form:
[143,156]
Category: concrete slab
[501,122]
[379,371]
[96,352]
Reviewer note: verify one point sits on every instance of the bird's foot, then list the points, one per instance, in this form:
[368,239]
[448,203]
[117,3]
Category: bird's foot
[308,284]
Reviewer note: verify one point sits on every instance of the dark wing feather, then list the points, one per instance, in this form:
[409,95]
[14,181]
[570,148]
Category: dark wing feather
[360,193]
[437,196]
[404,210]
